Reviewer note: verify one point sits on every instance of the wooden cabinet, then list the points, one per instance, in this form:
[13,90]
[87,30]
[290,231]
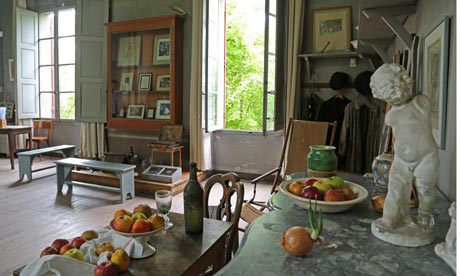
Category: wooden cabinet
[144,72]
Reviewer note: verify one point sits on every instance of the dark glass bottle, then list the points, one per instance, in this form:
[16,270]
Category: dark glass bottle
[193,203]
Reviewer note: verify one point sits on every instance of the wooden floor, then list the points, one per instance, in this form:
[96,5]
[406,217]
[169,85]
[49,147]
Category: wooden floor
[33,214]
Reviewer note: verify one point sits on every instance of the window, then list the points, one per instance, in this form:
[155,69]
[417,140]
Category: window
[240,73]
[57,64]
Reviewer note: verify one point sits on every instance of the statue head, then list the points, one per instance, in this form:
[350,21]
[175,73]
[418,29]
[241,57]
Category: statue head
[391,83]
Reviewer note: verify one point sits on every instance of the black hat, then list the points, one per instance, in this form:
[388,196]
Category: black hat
[339,80]
[362,82]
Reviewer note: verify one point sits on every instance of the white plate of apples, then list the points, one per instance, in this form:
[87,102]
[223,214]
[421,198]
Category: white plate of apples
[333,194]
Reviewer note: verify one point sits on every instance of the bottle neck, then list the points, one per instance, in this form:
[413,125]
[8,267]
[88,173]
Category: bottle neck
[193,174]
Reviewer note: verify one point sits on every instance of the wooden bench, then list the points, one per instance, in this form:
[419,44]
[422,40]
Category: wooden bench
[124,173]
[26,157]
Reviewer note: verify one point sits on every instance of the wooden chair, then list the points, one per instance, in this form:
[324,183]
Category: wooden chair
[169,142]
[300,135]
[41,133]
[231,186]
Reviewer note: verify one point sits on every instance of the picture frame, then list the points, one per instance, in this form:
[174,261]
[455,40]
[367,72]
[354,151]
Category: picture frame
[11,69]
[163,110]
[331,29]
[161,50]
[163,83]
[129,49]
[145,81]
[121,112]
[435,73]
[150,113]
[136,111]
[9,109]
[126,81]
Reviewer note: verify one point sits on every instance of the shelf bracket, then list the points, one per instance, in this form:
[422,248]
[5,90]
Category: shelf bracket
[376,44]
[399,10]
[398,29]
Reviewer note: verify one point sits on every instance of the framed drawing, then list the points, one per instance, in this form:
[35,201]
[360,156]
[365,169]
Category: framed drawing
[9,109]
[163,110]
[145,80]
[161,50]
[331,29]
[163,83]
[129,49]
[435,70]
[126,81]
[150,113]
[136,111]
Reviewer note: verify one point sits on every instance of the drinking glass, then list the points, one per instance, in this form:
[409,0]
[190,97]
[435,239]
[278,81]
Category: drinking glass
[163,200]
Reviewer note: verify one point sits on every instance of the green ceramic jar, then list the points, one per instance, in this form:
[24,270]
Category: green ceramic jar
[321,161]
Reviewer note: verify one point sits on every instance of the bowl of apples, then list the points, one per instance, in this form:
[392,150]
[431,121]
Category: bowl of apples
[333,194]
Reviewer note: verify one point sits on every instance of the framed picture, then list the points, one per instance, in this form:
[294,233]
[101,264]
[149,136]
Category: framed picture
[163,83]
[145,80]
[331,29]
[435,67]
[11,68]
[9,109]
[161,50]
[126,81]
[121,113]
[163,110]
[150,113]
[129,49]
[136,111]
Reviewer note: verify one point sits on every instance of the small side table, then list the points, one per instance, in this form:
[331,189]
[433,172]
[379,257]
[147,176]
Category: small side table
[171,149]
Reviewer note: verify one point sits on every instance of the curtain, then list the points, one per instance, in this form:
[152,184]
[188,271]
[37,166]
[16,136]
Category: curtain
[200,142]
[92,140]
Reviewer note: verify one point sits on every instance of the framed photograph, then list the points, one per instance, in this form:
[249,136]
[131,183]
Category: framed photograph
[11,69]
[331,29]
[9,109]
[136,111]
[145,80]
[163,83]
[161,50]
[126,81]
[129,49]
[121,112]
[435,70]
[150,113]
[163,110]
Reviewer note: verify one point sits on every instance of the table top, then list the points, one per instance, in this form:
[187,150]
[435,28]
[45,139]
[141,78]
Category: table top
[12,128]
[358,251]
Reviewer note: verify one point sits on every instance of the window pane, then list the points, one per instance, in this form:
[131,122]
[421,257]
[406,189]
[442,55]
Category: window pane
[47,105]
[46,25]
[47,78]
[272,9]
[67,78]
[272,34]
[271,73]
[270,112]
[46,50]
[66,50]
[67,106]
[66,22]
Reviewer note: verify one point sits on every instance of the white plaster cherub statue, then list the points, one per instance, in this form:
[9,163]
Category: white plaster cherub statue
[415,157]
[448,250]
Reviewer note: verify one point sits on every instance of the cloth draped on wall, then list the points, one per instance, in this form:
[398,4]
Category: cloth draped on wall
[92,140]
[359,137]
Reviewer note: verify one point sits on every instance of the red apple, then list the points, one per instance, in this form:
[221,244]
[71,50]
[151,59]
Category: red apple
[106,269]
[333,195]
[312,192]
[77,242]
[59,243]
[49,251]
[348,193]
[310,182]
[141,226]
[65,247]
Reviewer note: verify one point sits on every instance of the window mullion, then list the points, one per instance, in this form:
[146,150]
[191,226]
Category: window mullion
[56,104]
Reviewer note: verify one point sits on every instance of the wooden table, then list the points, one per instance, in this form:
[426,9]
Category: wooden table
[358,251]
[180,254]
[15,130]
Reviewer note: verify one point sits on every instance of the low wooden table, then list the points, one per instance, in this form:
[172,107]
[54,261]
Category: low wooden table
[11,131]
[180,254]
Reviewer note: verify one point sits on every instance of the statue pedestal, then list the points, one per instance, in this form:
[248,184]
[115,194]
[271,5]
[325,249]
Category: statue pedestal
[410,235]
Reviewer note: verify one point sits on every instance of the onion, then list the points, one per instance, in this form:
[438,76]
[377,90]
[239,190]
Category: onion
[297,241]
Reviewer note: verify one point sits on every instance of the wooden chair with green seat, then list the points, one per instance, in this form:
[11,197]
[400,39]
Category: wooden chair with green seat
[41,133]
[231,192]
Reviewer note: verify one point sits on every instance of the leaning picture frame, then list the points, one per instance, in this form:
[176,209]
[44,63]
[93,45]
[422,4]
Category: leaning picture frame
[331,29]
[129,49]
[150,113]
[163,110]
[435,73]
[126,81]
[145,80]
[163,83]
[161,49]
[135,111]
